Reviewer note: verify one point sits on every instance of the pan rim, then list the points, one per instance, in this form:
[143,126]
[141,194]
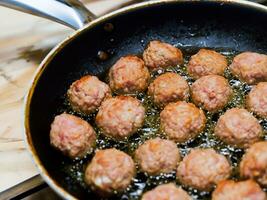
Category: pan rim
[50,56]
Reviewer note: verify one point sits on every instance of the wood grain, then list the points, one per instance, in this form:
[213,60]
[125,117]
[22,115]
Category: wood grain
[24,42]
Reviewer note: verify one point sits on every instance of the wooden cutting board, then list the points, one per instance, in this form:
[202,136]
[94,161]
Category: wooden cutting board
[24,42]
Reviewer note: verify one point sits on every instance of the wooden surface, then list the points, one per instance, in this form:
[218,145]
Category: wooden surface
[24,42]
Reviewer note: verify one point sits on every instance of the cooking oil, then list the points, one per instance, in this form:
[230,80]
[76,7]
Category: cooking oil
[75,169]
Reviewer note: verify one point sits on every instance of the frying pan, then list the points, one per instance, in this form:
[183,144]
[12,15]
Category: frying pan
[233,24]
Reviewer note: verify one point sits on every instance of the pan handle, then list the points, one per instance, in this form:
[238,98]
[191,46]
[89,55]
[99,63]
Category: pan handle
[71,13]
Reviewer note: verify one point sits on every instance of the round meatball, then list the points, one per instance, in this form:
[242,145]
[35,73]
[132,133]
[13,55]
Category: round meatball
[242,190]
[72,135]
[161,55]
[169,87]
[254,163]
[256,100]
[157,156]
[206,62]
[110,171]
[250,67]
[166,192]
[86,94]
[120,117]
[129,75]
[211,92]
[238,127]
[202,169]
[182,121]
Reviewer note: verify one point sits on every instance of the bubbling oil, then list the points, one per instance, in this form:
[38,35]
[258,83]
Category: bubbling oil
[74,170]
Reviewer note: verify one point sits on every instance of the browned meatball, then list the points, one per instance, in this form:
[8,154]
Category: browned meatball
[250,67]
[254,163]
[242,190]
[129,75]
[86,94]
[120,117]
[202,169]
[166,192]
[206,62]
[211,92]
[167,88]
[72,135]
[161,55]
[110,171]
[157,156]
[238,127]
[257,100]
[182,121]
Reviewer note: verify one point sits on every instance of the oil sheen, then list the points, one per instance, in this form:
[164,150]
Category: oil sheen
[74,170]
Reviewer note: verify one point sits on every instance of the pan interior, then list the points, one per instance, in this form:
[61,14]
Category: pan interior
[226,27]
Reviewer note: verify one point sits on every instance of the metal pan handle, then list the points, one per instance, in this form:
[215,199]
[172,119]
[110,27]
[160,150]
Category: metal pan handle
[71,13]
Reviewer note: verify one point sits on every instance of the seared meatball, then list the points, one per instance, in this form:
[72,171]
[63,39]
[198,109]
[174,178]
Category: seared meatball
[72,135]
[206,62]
[250,67]
[169,87]
[238,127]
[242,190]
[120,117]
[211,92]
[110,171]
[157,156]
[257,100]
[129,75]
[86,94]
[202,169]
[182,121]
[161,55]
[166,192]
[254,163]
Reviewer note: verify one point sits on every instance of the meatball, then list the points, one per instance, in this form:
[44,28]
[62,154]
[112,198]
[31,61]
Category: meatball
[169,87]
[120,117]
[157,156]
[166,192]
[161,55]
[202,169]
[254,163]
[250,67]
[242,190]
[256,100]
[238,127]
[182,121]
[110,171]
[129,75]
[86,94]
[206,62]
[72,135]
[211,92]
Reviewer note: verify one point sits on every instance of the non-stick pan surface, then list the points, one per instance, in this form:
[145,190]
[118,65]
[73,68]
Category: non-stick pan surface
[225,25]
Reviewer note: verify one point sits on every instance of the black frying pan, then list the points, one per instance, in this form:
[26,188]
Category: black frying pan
[230,25]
